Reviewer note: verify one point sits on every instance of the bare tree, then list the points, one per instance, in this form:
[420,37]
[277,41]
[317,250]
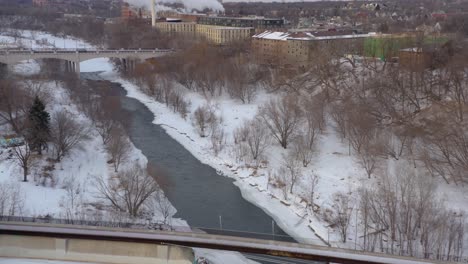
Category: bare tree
[280,180]
[445,152]
[282,117]
[313,181]
[35,88]
[218,139]
[72,201]
[338,112]
[11,199]
[403,208]
[118,147]
[253,137]
[186,75]
[209,80]
[370,154]
[67,133]
[163,206]
[129,190]
[364,209]
[314,111]
[105,128]
[361,127]
[395,143]
[342,214]
[14,104]
[203,118]
[241,81]
[293,169]
[304,145]
[22,156]
[105,111]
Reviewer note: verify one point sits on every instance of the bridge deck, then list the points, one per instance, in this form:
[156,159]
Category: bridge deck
[246,245]
[79,55]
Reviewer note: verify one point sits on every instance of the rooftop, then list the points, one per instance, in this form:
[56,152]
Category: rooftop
[319,35]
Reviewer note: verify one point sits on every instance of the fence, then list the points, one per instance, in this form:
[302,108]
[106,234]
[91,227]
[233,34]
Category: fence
[227,232]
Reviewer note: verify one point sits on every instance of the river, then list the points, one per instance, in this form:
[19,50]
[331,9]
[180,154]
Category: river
[204,198]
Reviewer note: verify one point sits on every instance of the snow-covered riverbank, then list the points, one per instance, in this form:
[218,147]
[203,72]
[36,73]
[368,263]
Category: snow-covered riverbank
[339,171]
[290,221]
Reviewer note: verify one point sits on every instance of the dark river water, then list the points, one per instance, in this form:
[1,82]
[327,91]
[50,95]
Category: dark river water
[203,198]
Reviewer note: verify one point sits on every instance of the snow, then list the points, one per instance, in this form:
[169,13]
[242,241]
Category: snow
[234,114]
[36,261]
[273,35]
[29,67]
[338,171]
[278,35]
[30,39]
[96,65]
[82,164]
[219,256]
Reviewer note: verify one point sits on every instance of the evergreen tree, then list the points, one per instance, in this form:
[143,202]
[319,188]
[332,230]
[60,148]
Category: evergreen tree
[39,126]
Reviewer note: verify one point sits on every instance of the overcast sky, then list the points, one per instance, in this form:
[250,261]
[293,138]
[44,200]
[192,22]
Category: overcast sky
[202,4]
[281,0]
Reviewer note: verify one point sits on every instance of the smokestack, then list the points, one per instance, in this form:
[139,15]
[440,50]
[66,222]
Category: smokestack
[153,13]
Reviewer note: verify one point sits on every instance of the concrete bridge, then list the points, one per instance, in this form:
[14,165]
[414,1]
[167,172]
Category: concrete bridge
[75,56]
[75,243]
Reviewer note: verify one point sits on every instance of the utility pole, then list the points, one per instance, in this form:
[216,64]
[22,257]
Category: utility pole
[273,227]
[355,235]
[153,13]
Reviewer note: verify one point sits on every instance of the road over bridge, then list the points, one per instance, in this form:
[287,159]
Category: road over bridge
[202,240]
[75,56]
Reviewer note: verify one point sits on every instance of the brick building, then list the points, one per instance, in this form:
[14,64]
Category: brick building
[223,35]
[250,22]
[299,49]
[215,34]
[176,26]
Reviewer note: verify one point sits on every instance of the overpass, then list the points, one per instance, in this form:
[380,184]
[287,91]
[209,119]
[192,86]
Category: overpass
[75,56]
[19,231]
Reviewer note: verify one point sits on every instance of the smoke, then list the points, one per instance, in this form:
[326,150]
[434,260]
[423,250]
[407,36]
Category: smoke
[140,3]
[189,5]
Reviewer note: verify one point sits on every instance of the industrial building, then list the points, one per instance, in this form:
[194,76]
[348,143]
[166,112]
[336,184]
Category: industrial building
[215,34]
[251,22]
[176,26]
[299,49]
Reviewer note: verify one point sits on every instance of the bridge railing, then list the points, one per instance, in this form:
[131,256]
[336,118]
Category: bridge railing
[49,51]
[148,225]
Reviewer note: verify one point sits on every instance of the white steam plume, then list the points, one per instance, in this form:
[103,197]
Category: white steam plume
[188,4]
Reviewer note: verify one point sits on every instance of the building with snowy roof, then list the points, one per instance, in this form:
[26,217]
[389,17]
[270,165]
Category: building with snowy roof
[299,48]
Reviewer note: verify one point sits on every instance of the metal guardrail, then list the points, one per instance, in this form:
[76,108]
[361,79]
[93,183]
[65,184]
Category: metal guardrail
[184,239]
[90,51]
[78,55]
[198,237]
[146,225]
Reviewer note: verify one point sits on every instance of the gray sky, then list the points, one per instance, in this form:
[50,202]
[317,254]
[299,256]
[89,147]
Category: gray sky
[189,4]
[202,4]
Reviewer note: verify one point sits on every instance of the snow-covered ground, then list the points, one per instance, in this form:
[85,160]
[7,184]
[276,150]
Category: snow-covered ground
[221,257]
[28,39]
[337,170]
[82,165]
[37,261]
